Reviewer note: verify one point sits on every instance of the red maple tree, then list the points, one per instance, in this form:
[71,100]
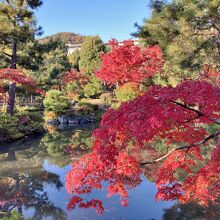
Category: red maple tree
[128,62]
[181,116]
[74,76]
[181,119]
[16,76]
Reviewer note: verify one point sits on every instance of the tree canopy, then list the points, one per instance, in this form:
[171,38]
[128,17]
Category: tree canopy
[128,62]
[53,64]
[90,51]
[177,118]
[177,126]
[17,25]
[187,31]
[65,37]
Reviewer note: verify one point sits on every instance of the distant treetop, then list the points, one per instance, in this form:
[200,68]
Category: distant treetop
[65,37]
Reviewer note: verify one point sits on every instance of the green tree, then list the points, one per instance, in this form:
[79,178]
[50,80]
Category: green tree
[74,59]
[17,27]
[127,92]
[65,37]
[54,63]
[56,101]
[89,62]
[187,31]
[90,54]
[93,88]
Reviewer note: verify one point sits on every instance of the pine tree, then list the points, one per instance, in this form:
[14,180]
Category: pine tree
[17,27]
[187,31]
[54,64]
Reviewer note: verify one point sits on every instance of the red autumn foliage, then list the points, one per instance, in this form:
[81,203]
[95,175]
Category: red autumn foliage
[73,202]
[201,186]
[128,62]
[74,76]
[17,76]
[79,80]
[93,203]
[211,74]
[181,117]
[205,181]
[175,114]
[89,172]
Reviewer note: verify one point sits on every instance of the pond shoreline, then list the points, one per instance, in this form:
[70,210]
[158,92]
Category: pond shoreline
[34,135]
[7,144]
[31,124]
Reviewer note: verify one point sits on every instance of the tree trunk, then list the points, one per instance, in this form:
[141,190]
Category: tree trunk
[12,85]
[11,156]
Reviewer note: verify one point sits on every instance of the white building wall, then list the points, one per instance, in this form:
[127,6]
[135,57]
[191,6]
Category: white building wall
[73,47]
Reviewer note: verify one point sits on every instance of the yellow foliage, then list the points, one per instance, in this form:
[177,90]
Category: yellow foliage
[50,115]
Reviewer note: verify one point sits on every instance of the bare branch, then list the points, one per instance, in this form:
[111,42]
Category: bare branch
[199,113]
[183,147]
[187,107]
[189,120]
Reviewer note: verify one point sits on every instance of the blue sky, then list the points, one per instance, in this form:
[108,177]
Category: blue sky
[107,18]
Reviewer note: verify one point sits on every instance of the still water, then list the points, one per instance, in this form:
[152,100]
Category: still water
[32,180]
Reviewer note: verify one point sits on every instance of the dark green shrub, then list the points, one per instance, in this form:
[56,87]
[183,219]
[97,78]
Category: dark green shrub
[56,101]
[20,125]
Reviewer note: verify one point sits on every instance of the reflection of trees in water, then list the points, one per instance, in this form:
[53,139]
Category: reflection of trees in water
[22,182]
[191,212]
[60,162]
[23,178]
[22,157]
[24,148]
[55,143]
[23,189]
[64,143]
[48,210]
[81,142]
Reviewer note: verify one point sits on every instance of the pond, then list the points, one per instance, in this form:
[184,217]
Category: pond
[32,180]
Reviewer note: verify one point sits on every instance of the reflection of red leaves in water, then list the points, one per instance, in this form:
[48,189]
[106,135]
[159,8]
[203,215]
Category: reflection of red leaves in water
[180,117]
